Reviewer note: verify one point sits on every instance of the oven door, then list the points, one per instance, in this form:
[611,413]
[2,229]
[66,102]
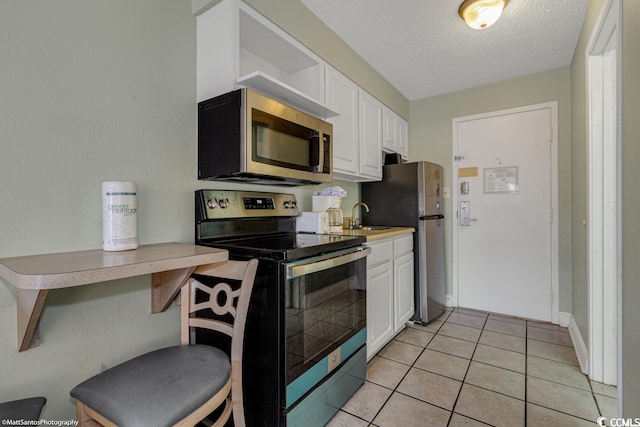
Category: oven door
[325,319]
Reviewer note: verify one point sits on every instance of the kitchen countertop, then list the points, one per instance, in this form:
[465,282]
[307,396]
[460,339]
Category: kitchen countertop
[372,232]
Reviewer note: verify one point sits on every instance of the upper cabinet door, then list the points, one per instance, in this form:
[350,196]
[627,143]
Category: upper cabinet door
[370,136]
[403,138]
[390,123]
[342,97]
[396,133]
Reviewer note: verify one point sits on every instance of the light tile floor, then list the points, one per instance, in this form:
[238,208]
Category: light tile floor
[470,368]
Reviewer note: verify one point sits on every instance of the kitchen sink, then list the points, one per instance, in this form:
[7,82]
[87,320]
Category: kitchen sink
[375,227]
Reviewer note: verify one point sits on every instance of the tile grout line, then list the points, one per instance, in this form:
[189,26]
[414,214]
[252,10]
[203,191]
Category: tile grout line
[525,374]
[466,372]
[463,382]
[394,390]
[486,319]
[594,397]
[526,379]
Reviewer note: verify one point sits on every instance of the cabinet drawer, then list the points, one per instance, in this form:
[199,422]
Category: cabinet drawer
[380,252]
[403,245]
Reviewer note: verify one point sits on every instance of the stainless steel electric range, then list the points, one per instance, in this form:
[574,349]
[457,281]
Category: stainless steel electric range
[305,341]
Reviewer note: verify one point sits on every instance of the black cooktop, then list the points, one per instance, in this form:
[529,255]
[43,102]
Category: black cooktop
[260,225]
[287,246]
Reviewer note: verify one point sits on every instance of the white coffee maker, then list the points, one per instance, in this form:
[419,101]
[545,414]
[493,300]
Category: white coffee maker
[331,205]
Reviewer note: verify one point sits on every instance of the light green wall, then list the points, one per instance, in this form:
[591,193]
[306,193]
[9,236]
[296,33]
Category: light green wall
[430,138]
[630,334]
[91,91]
[94,91]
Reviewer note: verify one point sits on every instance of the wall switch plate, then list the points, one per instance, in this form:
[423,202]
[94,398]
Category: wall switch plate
[446,192]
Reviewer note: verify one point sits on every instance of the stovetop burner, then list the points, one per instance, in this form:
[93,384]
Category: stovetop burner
[260,225]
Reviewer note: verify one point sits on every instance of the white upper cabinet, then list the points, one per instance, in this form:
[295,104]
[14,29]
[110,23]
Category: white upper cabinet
[238,47]
[370,137]
[342,97]
[396,133]
[357,130]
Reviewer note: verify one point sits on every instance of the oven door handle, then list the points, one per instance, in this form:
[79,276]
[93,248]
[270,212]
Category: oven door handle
[325,262]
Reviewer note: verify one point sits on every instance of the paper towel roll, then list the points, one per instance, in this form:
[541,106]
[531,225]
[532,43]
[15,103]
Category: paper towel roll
[119,216]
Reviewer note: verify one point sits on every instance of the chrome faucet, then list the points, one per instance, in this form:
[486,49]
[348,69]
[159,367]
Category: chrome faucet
[356,223]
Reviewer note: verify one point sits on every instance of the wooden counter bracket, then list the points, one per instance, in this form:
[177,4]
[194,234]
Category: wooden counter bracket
[166,286]
[30,305]
[170,265]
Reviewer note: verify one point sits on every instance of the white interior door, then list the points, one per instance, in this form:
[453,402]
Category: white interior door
[503,259]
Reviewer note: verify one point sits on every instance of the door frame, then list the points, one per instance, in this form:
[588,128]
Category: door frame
[553,107]
[603,194]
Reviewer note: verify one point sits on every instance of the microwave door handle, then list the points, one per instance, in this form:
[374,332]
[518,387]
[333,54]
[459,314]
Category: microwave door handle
[321,154]
[318,167]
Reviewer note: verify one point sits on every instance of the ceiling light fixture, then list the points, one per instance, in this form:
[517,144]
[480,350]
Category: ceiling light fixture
[481,14]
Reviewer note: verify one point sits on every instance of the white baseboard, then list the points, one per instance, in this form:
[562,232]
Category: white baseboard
[582,351]
[564,319]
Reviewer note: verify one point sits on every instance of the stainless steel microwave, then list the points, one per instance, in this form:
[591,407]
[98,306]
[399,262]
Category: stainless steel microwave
[245,136]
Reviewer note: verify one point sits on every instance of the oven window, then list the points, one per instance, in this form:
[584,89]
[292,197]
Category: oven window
[323,310]
[283,143]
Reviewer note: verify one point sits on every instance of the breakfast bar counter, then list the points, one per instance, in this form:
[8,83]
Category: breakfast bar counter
[170,265]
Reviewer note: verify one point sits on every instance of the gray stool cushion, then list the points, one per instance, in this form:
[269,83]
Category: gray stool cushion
[158,388]
[23,409]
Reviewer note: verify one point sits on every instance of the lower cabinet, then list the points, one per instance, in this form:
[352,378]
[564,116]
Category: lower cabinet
[380,322]
[403,288]
[389,290]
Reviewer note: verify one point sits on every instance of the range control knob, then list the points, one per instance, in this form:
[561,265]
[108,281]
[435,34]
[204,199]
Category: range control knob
[287,204]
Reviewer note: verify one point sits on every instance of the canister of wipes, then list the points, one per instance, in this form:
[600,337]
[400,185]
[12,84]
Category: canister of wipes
[119,215]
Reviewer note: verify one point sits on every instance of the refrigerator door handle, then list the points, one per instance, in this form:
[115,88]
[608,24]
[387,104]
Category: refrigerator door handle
[428,217]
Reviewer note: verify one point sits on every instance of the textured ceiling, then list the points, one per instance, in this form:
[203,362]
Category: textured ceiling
[423,48]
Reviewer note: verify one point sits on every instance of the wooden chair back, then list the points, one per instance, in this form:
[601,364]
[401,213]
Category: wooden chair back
[225,303]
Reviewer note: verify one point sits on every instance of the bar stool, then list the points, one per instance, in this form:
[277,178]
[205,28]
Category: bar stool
[181,385]
[28,409]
